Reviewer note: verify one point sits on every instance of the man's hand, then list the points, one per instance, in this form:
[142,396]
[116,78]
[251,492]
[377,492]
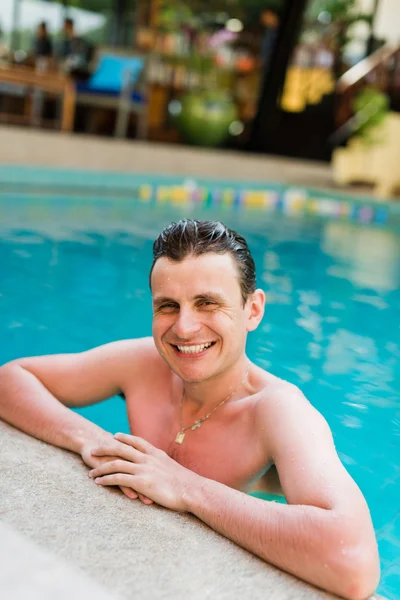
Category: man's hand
[95,461]
[145,469]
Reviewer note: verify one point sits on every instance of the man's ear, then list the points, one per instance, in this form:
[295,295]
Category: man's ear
[255,306]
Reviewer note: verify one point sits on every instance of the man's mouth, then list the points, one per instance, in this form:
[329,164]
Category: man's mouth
[193,348]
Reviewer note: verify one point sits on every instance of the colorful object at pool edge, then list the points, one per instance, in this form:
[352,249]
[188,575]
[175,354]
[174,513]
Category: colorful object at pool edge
[290,201]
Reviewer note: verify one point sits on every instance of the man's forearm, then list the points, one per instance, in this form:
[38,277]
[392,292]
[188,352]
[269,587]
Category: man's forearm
[301,540]
[28,405]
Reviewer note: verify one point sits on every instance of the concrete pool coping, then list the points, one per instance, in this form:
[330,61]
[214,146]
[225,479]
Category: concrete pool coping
[68,535]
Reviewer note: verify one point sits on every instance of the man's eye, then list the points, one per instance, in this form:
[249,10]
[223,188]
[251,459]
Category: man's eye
[167,306]
[207,303]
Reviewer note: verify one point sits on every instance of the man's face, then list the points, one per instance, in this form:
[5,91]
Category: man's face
[200,324]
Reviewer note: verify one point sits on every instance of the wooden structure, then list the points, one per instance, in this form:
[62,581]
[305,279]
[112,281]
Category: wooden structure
[376,164]
[381,70]
[52,83]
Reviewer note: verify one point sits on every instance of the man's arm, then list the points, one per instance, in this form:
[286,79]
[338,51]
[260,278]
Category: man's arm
[324,535]
[35,393]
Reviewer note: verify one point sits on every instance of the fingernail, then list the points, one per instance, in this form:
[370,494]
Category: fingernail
[97,480]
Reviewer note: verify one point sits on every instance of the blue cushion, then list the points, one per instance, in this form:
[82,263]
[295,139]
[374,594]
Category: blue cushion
[82,87]
[113,72]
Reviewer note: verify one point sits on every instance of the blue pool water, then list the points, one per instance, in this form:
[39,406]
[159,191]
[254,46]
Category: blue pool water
[74,274]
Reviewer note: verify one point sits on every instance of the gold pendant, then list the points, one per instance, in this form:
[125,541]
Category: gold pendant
[180,437]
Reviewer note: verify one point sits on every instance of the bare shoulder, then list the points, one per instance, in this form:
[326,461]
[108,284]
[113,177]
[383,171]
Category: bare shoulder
[283,407]
[300,443]
[278,397]
[140,364]
[137,349]
[135,355]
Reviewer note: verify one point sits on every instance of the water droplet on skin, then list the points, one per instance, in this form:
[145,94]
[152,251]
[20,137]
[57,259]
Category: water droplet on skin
[341,542]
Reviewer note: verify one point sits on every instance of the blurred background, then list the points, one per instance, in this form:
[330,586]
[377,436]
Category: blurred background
[270,76]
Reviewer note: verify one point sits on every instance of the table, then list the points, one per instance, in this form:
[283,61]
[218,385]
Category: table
[47,81]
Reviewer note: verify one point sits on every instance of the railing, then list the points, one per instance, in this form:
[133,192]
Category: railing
[381,70]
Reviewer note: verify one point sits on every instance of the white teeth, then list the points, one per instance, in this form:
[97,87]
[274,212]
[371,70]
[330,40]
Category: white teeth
[194,349]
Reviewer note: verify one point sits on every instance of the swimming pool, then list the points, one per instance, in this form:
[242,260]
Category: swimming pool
[74,274]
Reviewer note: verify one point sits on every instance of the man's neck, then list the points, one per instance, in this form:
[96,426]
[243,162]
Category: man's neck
[205,395]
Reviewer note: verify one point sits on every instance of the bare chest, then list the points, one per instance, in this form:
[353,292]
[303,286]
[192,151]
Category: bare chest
[224,448]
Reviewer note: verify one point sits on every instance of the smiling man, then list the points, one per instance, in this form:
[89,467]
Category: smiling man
[208,425]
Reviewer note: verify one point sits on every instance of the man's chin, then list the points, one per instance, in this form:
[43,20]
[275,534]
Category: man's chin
[189,372]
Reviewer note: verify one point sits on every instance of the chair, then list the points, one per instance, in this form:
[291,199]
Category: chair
[119,82]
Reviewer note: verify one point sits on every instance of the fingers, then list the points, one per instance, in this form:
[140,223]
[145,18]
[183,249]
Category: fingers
[131,449]
[114,466]
[129,492]
[145,499]
[120,479]
[134,495]
[117,467]
[118,449]
[136,442]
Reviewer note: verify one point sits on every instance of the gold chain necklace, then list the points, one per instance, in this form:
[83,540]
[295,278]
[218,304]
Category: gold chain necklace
[181,434]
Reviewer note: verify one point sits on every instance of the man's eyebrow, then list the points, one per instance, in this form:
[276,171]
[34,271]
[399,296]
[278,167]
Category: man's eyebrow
[211,296]
[207,296]
[163,300]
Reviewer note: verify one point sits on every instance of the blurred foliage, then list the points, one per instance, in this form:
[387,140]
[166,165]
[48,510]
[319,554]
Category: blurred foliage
[342,14]
[371,107]
[203,13]
[92,5]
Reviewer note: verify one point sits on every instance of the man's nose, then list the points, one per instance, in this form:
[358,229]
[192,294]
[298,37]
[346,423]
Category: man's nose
[186,325]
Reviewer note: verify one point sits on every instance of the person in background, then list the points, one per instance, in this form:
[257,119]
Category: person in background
[42,45]
[3,46]
[270,23]
[68,41]
[73,51]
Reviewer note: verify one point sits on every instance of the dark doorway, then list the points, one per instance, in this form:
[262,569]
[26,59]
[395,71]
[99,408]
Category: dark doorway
[303,133]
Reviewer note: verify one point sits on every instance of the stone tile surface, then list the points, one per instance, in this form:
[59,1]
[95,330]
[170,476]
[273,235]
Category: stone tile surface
[33,147]
[28,571]
[128,549]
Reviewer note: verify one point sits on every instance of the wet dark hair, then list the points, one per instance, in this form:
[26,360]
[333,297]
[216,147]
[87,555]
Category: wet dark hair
[190,237]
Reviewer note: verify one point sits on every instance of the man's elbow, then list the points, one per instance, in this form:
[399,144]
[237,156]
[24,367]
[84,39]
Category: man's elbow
[359,575]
